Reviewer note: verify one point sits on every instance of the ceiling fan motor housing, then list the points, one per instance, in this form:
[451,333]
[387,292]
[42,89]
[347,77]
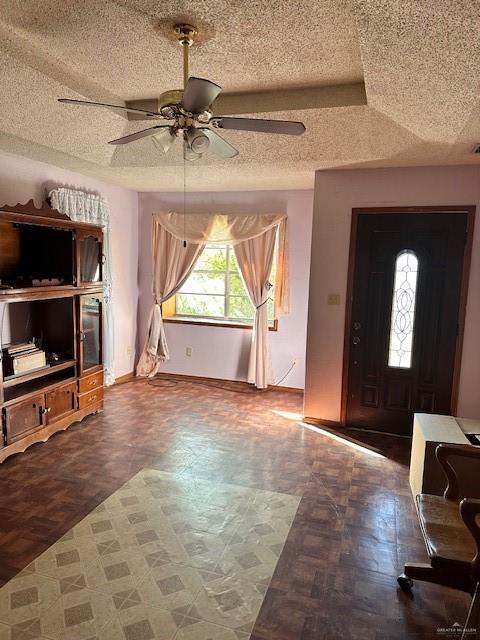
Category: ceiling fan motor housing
[185,33]
[168,100]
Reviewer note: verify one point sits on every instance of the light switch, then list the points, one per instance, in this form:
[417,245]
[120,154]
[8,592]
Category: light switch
[333,298]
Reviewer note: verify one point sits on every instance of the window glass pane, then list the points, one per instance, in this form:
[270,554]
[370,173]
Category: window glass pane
[205,283]
[271,307]
[237,288]
[216,273]
[403,310]
[213,258]
[241,308]
[233,266]
[273,272]
[200,305]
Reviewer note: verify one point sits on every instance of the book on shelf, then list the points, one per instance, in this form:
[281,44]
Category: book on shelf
[28,361]
[23,358]
[19,347]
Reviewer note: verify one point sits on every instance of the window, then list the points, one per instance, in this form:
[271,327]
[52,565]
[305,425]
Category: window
[215,290]
[403,310]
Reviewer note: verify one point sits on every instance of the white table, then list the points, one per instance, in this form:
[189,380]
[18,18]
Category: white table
[426,475]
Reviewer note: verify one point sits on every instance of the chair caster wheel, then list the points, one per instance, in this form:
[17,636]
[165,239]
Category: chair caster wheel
[405,583]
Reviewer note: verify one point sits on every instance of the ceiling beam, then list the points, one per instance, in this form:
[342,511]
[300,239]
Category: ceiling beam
[326,97]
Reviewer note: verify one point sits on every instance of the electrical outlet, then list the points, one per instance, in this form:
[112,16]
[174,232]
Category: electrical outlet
[296,362]
[129,350]
[188,352]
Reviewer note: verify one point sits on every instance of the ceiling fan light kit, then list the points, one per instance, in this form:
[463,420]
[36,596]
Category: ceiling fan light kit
[191,116]
[164,139]
[197,140]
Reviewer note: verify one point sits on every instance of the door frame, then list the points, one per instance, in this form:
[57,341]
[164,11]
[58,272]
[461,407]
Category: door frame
[356,212]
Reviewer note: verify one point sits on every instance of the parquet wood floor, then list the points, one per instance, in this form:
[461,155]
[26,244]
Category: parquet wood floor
[354,529]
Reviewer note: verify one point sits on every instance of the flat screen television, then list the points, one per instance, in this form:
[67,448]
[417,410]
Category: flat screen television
[35,256]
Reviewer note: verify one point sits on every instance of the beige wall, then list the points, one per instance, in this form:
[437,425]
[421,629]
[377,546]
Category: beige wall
[336,193]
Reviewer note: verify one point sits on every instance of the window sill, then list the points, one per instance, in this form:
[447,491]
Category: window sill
[205,322]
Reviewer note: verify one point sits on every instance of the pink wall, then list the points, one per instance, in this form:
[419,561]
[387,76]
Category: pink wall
[22,179]
[336,193]
[222,352]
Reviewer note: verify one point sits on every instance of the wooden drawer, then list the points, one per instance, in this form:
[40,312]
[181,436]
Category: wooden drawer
[91,397]
[61,401]
[24,417]
[89,383]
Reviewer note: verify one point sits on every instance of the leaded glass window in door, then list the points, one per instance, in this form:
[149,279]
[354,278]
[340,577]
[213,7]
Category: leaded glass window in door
[402,322]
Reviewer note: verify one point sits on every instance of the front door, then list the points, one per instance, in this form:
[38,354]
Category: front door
[404,317]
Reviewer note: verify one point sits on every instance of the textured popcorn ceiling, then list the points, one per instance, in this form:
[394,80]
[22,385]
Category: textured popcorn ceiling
[419,59]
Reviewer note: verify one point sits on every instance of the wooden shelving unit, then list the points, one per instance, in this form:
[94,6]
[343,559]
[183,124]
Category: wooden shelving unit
[68,317]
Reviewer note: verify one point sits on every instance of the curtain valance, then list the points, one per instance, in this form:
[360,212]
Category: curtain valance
[217,228]
[80,205]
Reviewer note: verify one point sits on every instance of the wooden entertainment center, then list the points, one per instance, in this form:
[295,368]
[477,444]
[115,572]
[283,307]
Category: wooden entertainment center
[51,298]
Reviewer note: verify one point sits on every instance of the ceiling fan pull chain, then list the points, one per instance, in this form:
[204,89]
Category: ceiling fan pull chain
[184,196]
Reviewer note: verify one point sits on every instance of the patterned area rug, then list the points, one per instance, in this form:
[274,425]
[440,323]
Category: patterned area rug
[165,557]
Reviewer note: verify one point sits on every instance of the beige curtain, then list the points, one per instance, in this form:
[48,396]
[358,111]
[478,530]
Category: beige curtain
[255,258]
[282,288]
[172,264]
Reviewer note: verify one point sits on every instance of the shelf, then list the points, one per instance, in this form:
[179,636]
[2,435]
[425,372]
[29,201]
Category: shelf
[44,293]
[39,373]
[34,290]
[32,390]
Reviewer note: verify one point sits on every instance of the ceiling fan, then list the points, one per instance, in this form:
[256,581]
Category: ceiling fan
[191,114]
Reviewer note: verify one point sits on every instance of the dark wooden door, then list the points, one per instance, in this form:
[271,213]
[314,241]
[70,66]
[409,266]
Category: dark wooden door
[61,401]
[404,317]
[24,417]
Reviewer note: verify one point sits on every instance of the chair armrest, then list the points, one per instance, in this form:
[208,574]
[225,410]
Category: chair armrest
[443,453]
[470,510]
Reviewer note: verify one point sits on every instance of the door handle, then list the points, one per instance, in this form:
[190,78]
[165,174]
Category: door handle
[356,340]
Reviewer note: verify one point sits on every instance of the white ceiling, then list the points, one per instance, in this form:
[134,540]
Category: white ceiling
[419,60]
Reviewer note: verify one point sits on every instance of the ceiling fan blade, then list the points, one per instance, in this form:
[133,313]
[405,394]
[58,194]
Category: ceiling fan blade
[286,127]
[149,114]
[199,94]
[219,145]
[151,131]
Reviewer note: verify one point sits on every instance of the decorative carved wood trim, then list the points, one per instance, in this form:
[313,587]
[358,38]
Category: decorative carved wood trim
[30,209]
